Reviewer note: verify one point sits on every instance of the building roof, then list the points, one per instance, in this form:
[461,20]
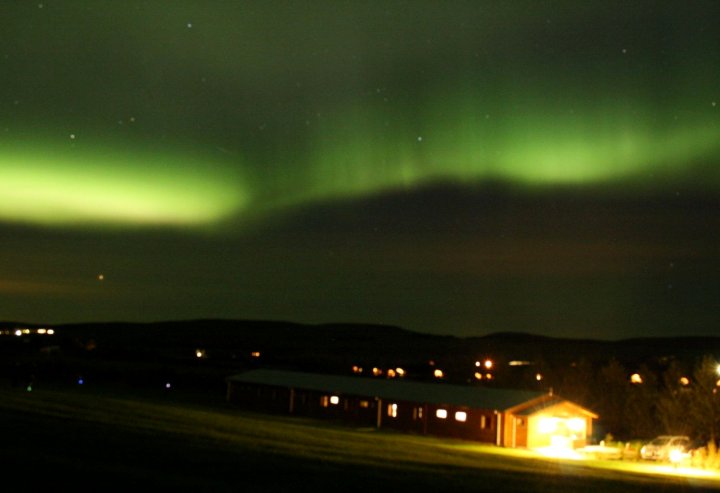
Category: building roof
[400,390]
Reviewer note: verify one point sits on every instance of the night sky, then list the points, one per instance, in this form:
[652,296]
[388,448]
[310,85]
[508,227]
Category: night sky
[449,167]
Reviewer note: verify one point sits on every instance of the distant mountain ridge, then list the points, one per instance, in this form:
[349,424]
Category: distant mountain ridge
[341,344]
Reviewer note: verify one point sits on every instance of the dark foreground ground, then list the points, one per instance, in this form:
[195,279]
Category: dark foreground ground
[84,439]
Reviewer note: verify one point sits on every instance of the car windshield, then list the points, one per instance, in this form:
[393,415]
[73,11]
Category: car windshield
[660,441]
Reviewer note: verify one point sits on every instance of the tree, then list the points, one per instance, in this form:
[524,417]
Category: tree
[704,399]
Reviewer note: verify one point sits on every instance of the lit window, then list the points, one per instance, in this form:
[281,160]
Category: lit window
[441,413]
[255,354]
[420,412]
[334,400]
[461,416]
[392,410]
[324,401]
[483,422]
[364,404]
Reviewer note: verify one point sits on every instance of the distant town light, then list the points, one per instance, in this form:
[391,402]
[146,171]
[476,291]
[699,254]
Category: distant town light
[438,373]
[477,364]
[538,377]
[478,375]
[357,369]
[26,331]
[41,331]
[255,354]
[81,381]
[377,371]
[50,331]
[489,376]
[488,364]
[18,332]
[391,373]
[518,363]
[684,381]
[718,369]
[168,385]
[334,400]
[441,413]
[199,353]
[636,378]
[400,372]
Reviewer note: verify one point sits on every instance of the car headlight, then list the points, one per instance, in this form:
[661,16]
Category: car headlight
[676,455]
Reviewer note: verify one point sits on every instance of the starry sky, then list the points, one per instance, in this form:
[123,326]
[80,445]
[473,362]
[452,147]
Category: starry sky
[451,167]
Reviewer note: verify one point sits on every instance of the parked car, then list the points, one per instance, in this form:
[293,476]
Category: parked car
[666,448]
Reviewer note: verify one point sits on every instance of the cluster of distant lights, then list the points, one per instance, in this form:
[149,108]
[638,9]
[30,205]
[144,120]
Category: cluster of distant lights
[637,379]
[483,370]
[21,332]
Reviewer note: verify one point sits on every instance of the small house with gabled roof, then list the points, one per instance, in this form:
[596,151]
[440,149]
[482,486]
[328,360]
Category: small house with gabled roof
[505,417]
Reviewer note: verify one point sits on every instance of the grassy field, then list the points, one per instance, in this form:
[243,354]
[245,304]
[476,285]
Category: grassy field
[87,439]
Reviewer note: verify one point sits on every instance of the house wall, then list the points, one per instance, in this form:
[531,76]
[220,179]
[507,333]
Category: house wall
[515,430]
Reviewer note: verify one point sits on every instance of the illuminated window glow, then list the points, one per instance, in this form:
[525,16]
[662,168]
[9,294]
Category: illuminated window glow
[364,404]
[441,413]
[334,400]
[461,416]
[392,410]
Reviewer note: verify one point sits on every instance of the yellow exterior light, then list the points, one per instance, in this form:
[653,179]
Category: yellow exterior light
[50,331]
[489,376]
[377,371]
[400,372]
[18,332]
[41,331]
[538,377]
[684,381]
[477,364]
[488,364]
[438,373]
[636,378]
[391,373]
[478,375]
[547,425]
[357,369]
[255,354]
[576,425]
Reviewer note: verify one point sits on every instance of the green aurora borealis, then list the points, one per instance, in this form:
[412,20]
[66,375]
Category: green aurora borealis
[194,148]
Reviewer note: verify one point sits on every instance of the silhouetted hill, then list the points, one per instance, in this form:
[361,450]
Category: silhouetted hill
[337,347]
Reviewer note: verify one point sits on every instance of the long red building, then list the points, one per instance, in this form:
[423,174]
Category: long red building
[509,418]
